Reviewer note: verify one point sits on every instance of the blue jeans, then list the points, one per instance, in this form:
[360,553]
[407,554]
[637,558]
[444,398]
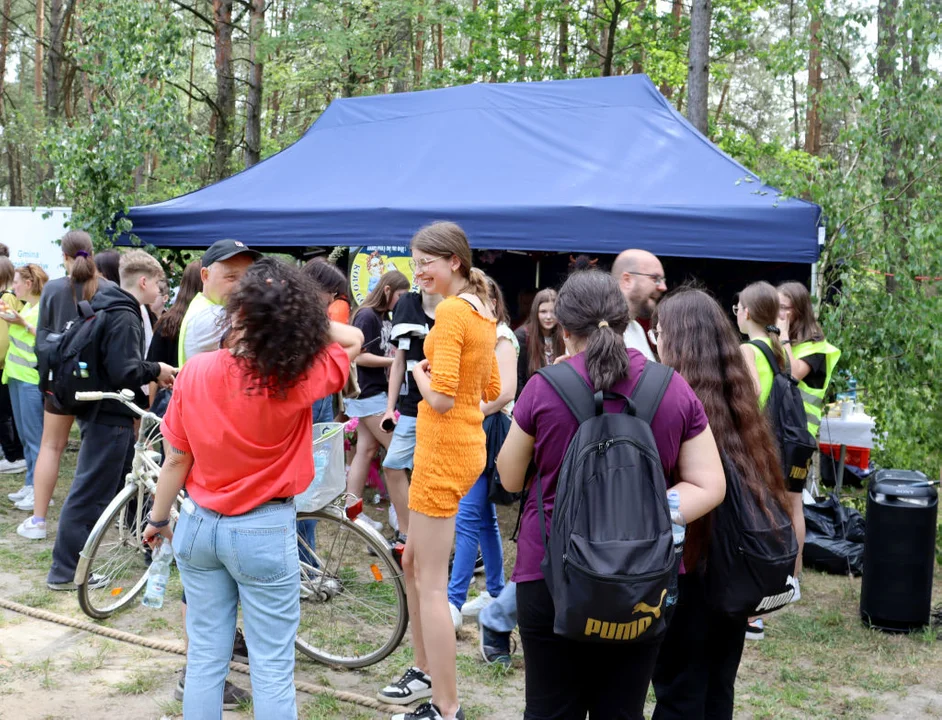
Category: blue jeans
[225,559]
[323,412]
[27,403]
[501,615]
[475,524]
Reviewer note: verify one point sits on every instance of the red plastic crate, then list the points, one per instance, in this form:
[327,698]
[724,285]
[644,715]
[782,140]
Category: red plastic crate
[859,457]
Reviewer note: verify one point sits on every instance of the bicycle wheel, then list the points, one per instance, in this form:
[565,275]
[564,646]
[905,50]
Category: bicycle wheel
[112,567]
[353,599]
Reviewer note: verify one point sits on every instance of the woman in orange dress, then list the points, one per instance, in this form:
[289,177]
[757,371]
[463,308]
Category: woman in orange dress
[459,372]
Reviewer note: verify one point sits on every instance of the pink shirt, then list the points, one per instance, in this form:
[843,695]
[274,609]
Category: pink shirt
[247,447]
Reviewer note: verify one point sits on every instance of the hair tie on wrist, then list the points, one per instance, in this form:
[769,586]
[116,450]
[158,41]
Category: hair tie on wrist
[773,329]
[81,253]
[603,323]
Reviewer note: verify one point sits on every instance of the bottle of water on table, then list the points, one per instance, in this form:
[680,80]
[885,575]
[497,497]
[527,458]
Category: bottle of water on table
[679,531]
[157,576]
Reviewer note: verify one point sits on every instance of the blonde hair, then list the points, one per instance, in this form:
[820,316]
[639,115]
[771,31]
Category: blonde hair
[136,263]
[35,275]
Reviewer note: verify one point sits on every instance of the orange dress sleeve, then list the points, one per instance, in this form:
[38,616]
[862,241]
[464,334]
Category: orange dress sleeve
[450,326]
[492,391]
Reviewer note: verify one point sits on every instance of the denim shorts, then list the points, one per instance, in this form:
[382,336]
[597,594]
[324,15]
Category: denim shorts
[402,446]
[365,407]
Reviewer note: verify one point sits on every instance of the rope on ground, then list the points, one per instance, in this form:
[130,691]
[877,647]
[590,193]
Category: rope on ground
[179,649]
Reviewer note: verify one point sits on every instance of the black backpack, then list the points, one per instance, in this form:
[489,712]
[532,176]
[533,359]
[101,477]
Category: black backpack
[70,360]
[610,552]
[752,556]
[786,412]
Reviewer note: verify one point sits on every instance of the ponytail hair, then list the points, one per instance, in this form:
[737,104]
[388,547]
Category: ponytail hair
[77,245]
[590,307]
[761,300]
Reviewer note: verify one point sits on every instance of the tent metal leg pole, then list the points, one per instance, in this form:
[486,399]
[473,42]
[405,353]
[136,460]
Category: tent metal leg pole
[537,285]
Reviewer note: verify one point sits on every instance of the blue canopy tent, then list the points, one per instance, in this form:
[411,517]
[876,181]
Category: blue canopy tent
[593,165]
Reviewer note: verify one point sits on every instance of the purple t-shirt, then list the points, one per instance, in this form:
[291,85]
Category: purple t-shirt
[541,413]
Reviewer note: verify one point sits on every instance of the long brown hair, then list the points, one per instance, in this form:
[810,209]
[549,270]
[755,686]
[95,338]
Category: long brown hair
[379,300]
[761,300]
[446,240]
[170,322]
[590,306]
[535,343]
[500,305]
[698,341]
[803,326]
[77,245]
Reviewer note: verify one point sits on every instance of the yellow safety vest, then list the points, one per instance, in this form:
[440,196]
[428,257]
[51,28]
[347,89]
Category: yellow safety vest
[814,397]
[21,362]
[766,374]
[199,304]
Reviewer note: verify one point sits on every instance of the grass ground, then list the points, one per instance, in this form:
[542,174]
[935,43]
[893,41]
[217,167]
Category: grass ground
[817,661]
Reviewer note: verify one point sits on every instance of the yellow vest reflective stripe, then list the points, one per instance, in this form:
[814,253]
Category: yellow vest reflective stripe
[199,304]
[766,376]
[814,397]
[21,362]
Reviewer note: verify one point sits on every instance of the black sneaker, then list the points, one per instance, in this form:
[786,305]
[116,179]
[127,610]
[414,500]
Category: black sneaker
[495,646]
[413,685]
[426,711]
[240,651]
[479,564]
[233,697]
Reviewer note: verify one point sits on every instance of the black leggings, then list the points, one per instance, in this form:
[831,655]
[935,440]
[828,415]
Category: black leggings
[565,679]
[696,668]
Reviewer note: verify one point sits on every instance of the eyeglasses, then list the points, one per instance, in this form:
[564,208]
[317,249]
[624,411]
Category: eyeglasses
[736,308]
[422,265]
[658,279]
[653,336]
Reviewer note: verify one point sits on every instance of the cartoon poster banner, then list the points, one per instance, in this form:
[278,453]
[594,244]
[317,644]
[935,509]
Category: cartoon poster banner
[370,263]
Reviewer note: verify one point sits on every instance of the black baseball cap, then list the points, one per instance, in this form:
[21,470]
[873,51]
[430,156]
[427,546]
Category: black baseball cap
[225,249]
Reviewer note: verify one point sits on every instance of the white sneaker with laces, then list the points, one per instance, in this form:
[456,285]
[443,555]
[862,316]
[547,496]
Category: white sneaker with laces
[32,530]
[29,500]
[413,685]
[456,617]
[9,468]
[19,494]
[473,607]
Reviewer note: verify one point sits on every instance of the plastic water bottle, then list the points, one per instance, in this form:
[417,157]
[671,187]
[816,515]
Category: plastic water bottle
[321,458]
[852,389]
[157,576]
[679,531]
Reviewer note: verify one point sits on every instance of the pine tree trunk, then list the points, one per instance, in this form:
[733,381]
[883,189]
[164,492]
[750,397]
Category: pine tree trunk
[698,69]
[419,49]
[611,31]
[888,82]
[253,109]
[225,87]
[564,37]
[54,59]
[40,51]
[815,86]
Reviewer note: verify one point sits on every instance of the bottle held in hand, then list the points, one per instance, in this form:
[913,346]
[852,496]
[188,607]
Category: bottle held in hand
[157,576]
[679,531]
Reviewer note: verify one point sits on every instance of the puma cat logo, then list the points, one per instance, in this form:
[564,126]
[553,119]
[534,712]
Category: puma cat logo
[655,611]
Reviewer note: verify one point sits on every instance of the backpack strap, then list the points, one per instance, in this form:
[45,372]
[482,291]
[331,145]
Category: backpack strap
[770,357]
[85,310]
[650,389]
[574,390]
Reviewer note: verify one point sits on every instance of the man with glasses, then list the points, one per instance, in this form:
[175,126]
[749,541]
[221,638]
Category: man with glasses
[640,276]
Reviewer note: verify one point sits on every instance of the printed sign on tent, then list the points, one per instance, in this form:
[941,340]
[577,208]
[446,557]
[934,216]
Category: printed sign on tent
[370,263]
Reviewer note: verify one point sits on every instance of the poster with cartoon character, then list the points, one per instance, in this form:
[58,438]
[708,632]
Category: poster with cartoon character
[369,264]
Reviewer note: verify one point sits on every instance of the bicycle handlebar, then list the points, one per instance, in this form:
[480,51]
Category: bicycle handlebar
[126,397]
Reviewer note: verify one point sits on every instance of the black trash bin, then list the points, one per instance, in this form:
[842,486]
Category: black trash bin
[899,551]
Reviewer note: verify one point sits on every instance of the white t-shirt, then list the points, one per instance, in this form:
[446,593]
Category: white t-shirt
[637,340]
[204,331]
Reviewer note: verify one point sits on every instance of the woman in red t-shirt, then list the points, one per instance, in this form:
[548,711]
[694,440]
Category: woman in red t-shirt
[238,429]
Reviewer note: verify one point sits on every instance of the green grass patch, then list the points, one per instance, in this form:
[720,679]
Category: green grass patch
[140,683]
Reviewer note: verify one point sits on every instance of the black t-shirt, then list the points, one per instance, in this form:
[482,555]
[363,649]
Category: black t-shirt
[163,349]
[376,332]
[410,326]
[818,374]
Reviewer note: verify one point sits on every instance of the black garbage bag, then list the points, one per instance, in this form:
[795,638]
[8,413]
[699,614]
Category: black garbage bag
[834,539]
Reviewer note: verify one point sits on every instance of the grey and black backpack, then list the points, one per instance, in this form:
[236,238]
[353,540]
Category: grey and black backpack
[609,555]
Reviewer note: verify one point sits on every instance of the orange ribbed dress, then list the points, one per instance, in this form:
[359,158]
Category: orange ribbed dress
[450,450]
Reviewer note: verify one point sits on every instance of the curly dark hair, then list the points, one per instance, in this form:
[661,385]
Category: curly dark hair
[278,325]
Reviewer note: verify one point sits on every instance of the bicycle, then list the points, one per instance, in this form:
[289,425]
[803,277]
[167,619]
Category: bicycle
[353,599]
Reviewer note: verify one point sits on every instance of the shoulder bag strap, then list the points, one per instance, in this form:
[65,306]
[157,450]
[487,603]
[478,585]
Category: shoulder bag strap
[770,357]
[650,389]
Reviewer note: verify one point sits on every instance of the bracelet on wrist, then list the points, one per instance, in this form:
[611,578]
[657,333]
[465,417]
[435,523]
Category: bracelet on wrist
[157,523]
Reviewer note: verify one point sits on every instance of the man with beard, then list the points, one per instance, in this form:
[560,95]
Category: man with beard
[640,276]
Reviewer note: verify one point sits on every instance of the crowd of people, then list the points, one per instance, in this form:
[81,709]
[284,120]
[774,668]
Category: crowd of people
[256,350]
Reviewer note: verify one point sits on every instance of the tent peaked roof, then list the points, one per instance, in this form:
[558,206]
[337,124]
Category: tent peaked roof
[594,165]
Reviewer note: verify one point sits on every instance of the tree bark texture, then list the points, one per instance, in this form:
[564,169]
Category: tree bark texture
[224,111]
[815,86]
[253,110]
[698,69]
[40,51]
[564,37]
[888,81]
[611,31]
[54,58]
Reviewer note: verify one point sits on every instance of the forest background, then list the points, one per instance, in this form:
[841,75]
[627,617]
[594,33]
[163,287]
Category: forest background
[105,104]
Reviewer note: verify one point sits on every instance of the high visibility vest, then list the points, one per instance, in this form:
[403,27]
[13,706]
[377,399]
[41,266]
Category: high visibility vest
[814,397]
[766,374]
[199,304]
[21,362]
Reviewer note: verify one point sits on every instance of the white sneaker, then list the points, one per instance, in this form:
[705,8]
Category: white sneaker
[473,607]
[393,518]
[456,617]
[9,468]
[377,525]
[29,500]
[32,530]
[19,494]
